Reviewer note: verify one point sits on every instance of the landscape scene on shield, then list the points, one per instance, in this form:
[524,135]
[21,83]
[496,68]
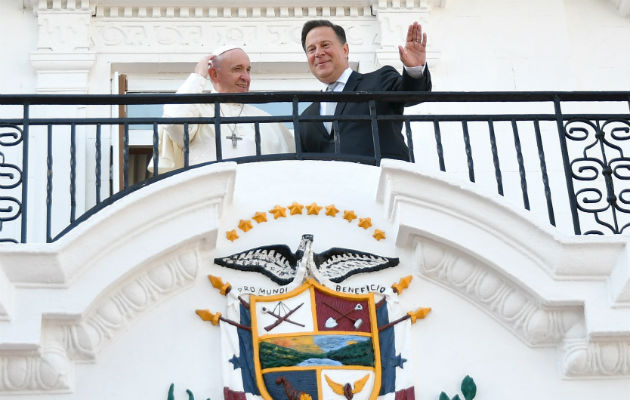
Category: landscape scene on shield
[314,350]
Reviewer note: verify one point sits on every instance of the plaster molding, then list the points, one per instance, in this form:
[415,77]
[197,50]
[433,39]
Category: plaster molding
[549,290]
[49,371]
[62,62]
[64,31]
[156,267]
[63,59]
[536,322]
[439,3]
[177,39]
[62,72]
[59,5]
[373,28]
[197,198]
[597,357]
[489,219]
[163,32]
[231,12]
[67,339]
[274,35]
[93,4]
[123,303]
[7,295]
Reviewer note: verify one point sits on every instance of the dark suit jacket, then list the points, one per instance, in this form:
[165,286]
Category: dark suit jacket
[356,136]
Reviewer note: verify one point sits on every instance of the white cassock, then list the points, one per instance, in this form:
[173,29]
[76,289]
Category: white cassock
[275,138]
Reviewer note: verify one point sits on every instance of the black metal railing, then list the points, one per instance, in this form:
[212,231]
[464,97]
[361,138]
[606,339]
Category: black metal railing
[574,163]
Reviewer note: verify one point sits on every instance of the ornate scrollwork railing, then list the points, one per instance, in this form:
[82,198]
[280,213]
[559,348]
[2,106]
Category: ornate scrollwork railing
[601,171]
[10,178]
[572,169]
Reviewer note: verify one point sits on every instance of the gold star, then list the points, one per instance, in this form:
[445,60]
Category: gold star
[365,222]
[349,215]
[313,209]
[331,210]
[278,212]
[245,225]
[296,208]
[231,235]
[260,217]
[378,234]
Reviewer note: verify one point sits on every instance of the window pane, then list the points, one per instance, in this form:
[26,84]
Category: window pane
[282,109]
[143,110]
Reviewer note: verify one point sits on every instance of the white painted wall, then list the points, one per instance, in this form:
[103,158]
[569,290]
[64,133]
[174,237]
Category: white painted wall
[490,45]
[110,308]
[18,41]
[600,45]
[16,76]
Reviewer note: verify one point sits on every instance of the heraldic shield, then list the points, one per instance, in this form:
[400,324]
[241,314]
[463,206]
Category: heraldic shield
[315,343]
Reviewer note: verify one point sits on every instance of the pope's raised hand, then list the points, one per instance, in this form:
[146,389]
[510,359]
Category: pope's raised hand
[204,65]
[415,51]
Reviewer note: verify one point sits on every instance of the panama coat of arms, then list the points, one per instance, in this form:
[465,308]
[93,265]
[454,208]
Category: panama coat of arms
[310,342]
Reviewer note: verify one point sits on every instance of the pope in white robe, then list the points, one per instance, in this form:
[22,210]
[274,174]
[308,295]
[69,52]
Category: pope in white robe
[228,69]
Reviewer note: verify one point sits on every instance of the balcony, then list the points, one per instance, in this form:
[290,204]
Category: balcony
[495,216]
[563,157]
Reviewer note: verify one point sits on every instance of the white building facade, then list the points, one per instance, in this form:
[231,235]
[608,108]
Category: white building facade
[526,308]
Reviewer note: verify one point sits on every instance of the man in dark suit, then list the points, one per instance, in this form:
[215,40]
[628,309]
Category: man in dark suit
[327,53]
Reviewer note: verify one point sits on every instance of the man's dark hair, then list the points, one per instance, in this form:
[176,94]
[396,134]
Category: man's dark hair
[316,23]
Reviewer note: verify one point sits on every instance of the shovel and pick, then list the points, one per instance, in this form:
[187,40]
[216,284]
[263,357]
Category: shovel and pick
[333,322]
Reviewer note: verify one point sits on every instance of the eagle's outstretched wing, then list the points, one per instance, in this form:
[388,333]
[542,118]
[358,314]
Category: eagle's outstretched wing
[338,264]
[275,261]
[336,387]
[358,385]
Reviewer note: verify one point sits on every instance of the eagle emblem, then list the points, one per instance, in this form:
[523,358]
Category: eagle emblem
[278,263]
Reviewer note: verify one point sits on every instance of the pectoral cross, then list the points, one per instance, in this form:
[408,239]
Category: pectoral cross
[233,129]
[234,139]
